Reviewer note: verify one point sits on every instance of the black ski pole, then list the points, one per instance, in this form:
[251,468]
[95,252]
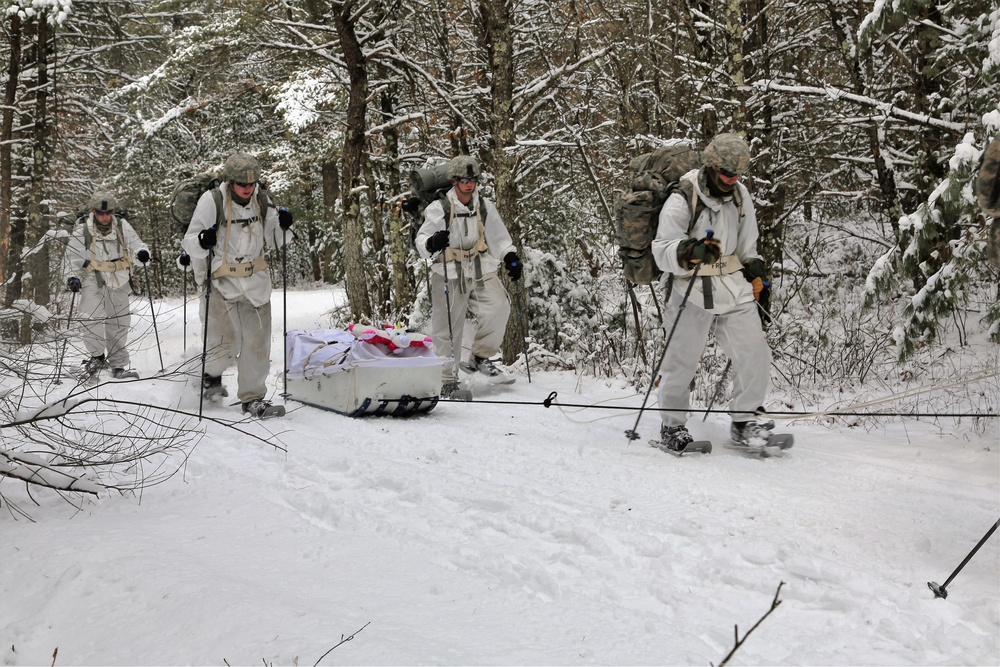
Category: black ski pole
[284,307]
[941,590]
[524,332]
[185,268]
[633,433]
[152,310]
[204,335]
[461,395]
[62,355]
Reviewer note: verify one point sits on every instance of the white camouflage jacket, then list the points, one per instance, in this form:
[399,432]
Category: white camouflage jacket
[107,247]
[464,233]
[244,239]
[735,236]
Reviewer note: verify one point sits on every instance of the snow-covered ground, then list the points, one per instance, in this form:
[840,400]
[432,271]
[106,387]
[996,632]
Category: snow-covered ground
[496,534]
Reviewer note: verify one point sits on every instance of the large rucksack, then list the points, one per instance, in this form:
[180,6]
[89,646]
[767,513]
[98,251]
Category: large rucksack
[988,195]
[184,199]
[653,177]
[426,187]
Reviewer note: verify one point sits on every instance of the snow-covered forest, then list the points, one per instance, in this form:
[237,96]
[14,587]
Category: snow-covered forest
[866,121]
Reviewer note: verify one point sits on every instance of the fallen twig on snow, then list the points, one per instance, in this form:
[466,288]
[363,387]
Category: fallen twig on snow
[736,629]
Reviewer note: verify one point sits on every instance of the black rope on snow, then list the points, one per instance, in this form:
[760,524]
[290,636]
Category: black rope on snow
[550,400]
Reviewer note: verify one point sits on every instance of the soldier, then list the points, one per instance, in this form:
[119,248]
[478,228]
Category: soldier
[468,233]
[725,296]
[99,259]
[228,232]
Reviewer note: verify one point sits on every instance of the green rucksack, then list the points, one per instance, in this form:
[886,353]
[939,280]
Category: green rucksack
[184,199]
[653,177]
[988,195]
[426,187]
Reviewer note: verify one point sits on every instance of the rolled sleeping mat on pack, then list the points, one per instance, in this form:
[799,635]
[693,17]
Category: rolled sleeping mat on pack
[430,179]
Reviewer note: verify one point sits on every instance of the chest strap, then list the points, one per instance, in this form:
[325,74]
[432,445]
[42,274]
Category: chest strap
[240,269]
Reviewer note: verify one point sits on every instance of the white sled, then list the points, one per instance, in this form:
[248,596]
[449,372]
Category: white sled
[331,369]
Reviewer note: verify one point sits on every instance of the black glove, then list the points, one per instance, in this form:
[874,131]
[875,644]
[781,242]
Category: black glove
[764,305]
[73,284]
[142,256]
[284,218]
[439,241]
[514,266]
[695,251]
[184,259]
[208,238]
[410,204]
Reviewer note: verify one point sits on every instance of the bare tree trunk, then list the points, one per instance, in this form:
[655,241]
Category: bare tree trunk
[6,139]
[323,262]
[358,299]
[38,261]
[498,36]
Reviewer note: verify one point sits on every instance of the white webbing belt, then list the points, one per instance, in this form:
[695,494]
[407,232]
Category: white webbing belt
[726,265]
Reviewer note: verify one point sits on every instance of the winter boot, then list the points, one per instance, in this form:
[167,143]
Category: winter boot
[675,438]
[211,387]
[122,374]
[262,409]
[480,365]
[752,435]
[91,369]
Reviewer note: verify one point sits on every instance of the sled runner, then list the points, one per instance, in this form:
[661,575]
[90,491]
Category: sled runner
[337,370]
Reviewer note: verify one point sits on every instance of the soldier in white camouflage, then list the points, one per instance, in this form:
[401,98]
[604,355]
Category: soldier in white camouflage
[99,257]
[724,297]
[234,238]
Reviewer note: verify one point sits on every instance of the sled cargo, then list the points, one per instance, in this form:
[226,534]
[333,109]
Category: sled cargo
[332,369]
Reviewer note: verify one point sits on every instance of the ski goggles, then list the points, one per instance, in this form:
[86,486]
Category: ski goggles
[465,181]
[245,185]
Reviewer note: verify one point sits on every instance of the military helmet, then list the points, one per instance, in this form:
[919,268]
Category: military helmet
[463,166]
[241,168]
[102,200]
[729,152]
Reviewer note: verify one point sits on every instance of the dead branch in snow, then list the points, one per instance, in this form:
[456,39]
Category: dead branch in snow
[343,640]
[736,629]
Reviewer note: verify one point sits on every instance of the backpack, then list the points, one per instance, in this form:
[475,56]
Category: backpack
[184,199]
[653,178]
[426,187]
[988,195]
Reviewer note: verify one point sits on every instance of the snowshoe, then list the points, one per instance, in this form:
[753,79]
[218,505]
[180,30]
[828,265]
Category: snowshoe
[122,374]
[453,392]
[262,409]
[757,438]
[486,367]
[677,440]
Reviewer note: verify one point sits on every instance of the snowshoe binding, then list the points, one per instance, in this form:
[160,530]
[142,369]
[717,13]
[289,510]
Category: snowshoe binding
[757,438]
[677,440]
[486,367]
[262,409]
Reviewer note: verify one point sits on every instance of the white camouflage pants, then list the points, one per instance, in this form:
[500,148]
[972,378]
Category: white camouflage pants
[489,305]
[239,330]
[740,336]
[106,320]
